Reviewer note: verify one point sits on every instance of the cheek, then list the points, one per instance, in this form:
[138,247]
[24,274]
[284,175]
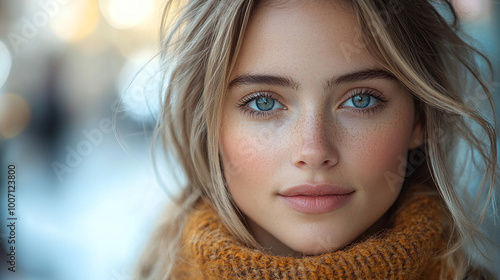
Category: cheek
[380,152]
[249,153]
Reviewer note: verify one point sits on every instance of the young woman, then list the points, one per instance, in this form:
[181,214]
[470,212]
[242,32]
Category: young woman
[321,140]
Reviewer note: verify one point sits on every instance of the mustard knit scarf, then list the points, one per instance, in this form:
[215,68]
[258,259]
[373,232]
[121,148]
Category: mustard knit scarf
[405,251]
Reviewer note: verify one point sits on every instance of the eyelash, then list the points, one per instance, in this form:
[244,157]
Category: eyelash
[243,103]
[369,92]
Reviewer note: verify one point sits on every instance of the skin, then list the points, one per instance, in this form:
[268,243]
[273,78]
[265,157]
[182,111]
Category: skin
[314,134]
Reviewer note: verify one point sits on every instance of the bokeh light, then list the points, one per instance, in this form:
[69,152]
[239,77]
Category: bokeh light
[127,14]
[5,63]
[138,84]
[76,19]
[473,9]
[14,115]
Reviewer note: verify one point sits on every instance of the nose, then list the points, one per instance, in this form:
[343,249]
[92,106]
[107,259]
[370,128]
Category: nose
[316,147]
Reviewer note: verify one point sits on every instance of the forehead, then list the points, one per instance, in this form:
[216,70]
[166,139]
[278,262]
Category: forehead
[291,36]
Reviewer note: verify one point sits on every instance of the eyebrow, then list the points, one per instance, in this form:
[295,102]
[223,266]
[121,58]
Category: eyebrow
[365,74]
[263,80]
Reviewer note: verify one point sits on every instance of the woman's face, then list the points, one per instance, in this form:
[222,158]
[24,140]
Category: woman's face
[315,133]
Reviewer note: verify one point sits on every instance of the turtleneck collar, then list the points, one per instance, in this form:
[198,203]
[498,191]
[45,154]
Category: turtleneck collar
[407,250]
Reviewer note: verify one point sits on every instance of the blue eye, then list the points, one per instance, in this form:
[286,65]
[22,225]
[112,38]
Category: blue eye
[264,104]
[261,104]
[360,101]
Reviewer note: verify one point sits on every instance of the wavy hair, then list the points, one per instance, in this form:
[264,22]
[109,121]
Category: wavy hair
[200,40]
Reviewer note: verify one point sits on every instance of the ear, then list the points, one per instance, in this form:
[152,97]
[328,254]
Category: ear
[417,135]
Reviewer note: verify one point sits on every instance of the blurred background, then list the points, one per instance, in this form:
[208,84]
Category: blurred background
[87,199]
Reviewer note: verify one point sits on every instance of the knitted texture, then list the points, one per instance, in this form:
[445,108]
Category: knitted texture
[405,251]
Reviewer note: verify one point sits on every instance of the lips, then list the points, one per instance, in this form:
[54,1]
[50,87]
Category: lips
[316,199]
[316,190]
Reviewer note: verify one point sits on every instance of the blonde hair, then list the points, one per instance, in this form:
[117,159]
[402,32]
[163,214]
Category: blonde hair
[409,38]
[427,55]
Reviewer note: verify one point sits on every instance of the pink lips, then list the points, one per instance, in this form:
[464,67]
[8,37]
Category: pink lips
[316,199]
